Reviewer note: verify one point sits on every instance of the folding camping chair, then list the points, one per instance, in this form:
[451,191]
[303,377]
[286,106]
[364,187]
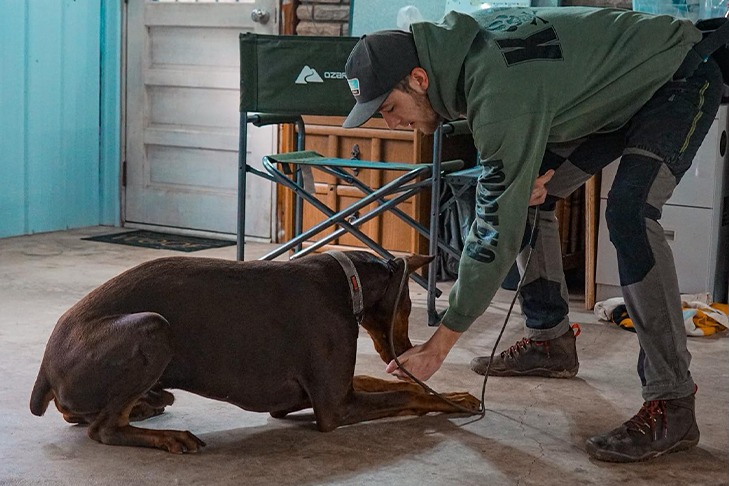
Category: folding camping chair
[285,77]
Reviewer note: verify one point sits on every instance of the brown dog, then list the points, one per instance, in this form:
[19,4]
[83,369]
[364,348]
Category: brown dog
[267,336]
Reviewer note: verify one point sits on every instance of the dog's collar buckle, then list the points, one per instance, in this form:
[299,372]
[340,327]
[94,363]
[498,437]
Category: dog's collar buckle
[355,285]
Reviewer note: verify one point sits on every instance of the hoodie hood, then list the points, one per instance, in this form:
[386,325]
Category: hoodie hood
[442,50]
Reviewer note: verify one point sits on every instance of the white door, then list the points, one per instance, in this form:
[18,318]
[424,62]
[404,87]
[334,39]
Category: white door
[182,96]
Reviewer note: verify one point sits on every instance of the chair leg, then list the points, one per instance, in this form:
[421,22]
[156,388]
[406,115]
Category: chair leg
[242,172]
[433,317]
[299,209]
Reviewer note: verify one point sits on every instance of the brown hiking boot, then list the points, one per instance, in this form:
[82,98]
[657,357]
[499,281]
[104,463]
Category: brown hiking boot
[556,358]
[660,427]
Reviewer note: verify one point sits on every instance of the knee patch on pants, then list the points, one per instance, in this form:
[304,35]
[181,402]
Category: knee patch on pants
[626,213]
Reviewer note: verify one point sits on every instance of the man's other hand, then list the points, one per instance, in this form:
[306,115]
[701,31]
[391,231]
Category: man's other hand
[539,192]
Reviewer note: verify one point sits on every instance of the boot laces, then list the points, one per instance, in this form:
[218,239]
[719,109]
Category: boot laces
[523,345]
[647,419]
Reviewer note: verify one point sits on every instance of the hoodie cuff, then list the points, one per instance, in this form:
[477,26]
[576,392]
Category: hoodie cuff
[457,322]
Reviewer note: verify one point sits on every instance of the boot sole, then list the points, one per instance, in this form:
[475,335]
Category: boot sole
[543,372]
[610,456]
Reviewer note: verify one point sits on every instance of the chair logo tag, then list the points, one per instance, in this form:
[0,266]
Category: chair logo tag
[308,75]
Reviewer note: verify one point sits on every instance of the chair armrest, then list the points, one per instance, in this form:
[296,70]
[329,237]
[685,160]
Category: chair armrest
[263,119]
[457,127]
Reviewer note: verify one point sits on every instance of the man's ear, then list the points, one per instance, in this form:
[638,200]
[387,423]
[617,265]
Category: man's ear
[419,80]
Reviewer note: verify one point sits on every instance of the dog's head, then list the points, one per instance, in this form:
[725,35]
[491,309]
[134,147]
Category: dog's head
[378,314]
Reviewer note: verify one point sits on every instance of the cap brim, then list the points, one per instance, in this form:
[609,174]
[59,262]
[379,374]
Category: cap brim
[364,111]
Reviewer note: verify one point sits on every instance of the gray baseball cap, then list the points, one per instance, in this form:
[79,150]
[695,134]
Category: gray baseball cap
[377,63]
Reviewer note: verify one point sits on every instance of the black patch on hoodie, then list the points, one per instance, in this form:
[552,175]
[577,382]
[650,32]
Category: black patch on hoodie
[540,46]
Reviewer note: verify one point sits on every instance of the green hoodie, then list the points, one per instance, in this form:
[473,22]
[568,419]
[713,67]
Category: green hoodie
[525,77]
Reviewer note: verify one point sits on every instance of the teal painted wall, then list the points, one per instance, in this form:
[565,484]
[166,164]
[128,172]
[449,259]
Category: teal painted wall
[110,114]
[56,156]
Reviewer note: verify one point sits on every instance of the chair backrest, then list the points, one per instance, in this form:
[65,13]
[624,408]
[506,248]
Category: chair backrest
[297,75]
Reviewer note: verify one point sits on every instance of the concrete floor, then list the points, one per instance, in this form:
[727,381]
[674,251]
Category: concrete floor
[533,433]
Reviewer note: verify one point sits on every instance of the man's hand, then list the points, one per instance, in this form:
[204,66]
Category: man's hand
[539,192]
[425,359]
[419,360]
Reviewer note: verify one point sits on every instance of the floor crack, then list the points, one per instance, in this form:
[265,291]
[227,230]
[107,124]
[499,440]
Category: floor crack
[523,430]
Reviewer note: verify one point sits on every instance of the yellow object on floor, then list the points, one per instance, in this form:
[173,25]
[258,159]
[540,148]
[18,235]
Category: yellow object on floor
[620,317]
[699,319]
[707,320]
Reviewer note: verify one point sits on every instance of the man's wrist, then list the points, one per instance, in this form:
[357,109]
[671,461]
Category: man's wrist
[443,340]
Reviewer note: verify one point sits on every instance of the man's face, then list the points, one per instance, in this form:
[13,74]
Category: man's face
[411,108]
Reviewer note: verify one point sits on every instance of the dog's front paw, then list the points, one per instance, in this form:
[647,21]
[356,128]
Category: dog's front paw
[179,442]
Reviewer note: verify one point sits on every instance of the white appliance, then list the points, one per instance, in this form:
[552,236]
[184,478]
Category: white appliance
[695,220]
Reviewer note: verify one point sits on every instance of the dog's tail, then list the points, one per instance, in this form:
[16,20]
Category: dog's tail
[42,394]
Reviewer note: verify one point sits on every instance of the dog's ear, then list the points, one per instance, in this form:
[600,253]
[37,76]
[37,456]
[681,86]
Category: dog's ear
[416,262]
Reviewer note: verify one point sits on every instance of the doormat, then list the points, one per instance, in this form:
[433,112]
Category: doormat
[161,241]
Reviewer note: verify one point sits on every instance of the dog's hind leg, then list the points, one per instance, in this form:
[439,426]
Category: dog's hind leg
[112,427]
[151,404]
[72,418]
[158,397]
[132,366]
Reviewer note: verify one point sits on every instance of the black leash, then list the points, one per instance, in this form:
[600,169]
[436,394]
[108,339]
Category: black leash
[481,411]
